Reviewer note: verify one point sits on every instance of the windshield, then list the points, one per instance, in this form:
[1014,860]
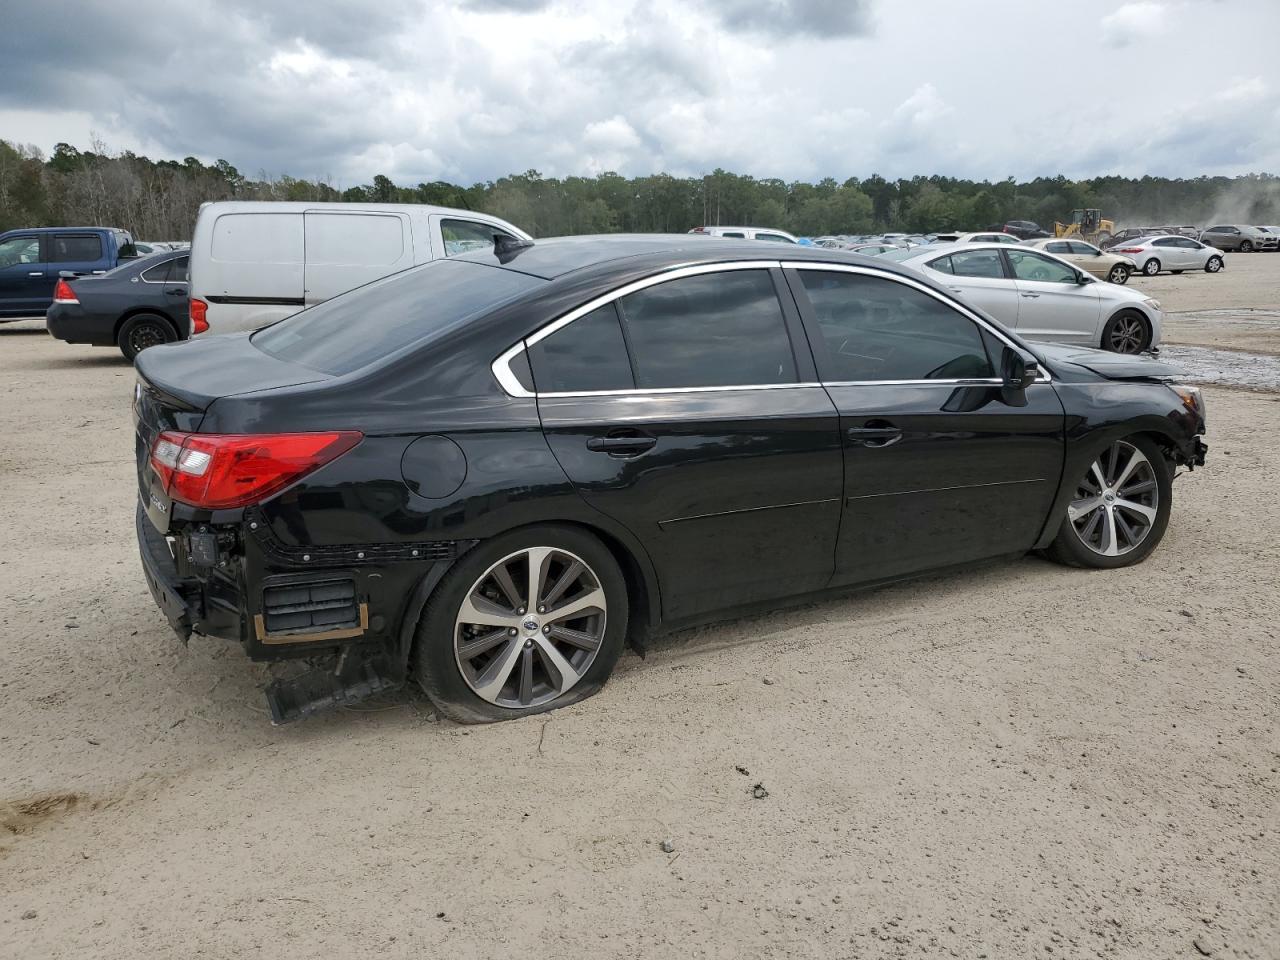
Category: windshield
[374,321]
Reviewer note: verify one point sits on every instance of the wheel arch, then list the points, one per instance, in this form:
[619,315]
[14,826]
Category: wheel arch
[135,311]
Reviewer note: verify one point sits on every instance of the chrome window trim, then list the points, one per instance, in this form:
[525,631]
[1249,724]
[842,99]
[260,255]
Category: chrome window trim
[501,367]
[160,283]
[960,308]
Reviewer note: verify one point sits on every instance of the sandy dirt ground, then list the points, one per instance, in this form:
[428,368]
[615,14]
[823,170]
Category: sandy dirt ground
[1021,760]
[1238,309]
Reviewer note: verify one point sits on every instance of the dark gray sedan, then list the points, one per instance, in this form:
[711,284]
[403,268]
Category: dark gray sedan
[137,305]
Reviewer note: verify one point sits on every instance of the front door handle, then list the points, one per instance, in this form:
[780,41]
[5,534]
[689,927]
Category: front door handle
[877,436]
[625,445]
[36,273]
[1031,296]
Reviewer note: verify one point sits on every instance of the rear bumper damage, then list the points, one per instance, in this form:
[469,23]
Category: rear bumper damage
[350,612]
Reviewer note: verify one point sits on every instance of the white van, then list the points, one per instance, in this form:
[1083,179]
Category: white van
[748,233]
[254,262]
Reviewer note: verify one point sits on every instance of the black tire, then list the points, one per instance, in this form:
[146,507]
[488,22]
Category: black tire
[1213,265]
[434,661]
[144,330]
[1151,267]
[1246,246]
[1118,334]
[1119,274]
[1068,547]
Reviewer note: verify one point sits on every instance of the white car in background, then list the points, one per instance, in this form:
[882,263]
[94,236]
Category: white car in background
[1171,254]
[1041,296]
[747,233]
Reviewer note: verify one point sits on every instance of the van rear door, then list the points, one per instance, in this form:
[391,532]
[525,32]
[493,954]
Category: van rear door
[346,250]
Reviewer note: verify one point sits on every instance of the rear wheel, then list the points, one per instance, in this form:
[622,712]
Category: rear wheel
[1151,267]
[144,330]
[527,622]
[1213,265]
[1119,510]
[1119,274]
[1126,332]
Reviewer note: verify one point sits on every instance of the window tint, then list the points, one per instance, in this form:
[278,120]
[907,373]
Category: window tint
[1032,266]
[354,329]
[157,274]
[734,233]
[587,354]
[19,250]
[711,330]
[1189,244]
[75,248]
[178,272]
[1080,249]
[774,237]
[1060,247]
[878,329]
[942,265]
[1164,242]
[463,236]
[977,263]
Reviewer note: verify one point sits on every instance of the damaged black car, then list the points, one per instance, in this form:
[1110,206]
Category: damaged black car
[490,473]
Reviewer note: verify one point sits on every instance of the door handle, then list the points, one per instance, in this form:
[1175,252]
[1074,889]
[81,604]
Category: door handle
[625,445]
[36,273]
[176,293]
[881,436]
[1031,296]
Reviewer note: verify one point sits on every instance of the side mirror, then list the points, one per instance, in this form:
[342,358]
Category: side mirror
[1083,278]
[1018,370]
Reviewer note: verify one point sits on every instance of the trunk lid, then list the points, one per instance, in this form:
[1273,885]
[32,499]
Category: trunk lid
[178,383]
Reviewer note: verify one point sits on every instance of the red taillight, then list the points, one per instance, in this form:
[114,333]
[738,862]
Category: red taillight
[63,293]
[219,470]
[1128,250]
[199,322]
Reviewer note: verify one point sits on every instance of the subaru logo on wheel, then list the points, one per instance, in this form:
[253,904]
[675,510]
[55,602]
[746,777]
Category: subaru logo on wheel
[531,624]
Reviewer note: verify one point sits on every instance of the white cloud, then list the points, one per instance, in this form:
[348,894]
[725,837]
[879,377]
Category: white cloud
[1134,22]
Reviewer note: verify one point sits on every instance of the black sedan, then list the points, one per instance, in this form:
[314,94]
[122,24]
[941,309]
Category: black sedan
[491,472]
[140,304]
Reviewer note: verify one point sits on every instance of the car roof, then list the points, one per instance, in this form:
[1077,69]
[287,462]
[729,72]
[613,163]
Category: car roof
[557,256]
[62,229]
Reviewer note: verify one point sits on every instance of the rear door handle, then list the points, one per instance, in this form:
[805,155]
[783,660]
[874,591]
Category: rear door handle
[626,445]
[874,436]
[176,293]
[36,273]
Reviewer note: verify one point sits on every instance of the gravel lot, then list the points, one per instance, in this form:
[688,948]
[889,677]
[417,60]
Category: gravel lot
[1019,760]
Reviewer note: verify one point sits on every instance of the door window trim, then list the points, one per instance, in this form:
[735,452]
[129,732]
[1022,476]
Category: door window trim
[501,366]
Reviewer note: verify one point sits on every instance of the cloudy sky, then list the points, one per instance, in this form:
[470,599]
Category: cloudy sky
[800,89]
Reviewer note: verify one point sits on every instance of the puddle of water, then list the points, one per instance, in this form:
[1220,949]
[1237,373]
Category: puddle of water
[1205,365]
[1255,317]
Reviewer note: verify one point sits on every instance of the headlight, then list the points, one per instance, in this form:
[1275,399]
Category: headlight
[1153,303]
[1191,398]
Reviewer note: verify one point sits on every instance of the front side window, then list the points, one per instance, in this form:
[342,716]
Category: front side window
[978,263]
[465,236]
[876,329]
[76,249]
[587,354]
[19,250]
[1032,266]
[709,330]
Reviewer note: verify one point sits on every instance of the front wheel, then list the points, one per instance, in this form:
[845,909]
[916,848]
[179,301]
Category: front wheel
[1119,274]
[1213,265]
[1246,246]
[1126,332]
[527,622]
[1119,509]
[1151,267]
[144,330]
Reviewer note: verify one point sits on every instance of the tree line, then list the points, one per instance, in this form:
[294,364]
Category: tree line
[158,199]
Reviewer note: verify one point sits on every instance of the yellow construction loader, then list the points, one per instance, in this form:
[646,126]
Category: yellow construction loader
[1087,225]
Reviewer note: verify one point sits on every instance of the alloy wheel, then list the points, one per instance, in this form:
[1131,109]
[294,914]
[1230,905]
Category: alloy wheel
[530,627]
[1116,502]
[1127,335]
[1118,274]
[1214,265]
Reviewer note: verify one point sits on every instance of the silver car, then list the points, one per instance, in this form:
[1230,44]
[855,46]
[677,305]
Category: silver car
[1040,295]
[1171,254]
[1234,236]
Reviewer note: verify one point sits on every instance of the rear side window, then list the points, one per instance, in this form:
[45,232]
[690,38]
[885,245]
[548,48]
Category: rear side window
[75,248]
[464,236]
[258,238]
[978,263]
[1060,247]
[710,330]
[734,233]
[354,239]
[371,322]
[157,274]
[587,354]
[875,329]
